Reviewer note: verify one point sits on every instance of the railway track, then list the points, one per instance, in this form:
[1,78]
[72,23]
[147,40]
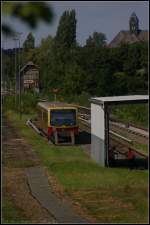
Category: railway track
[122,147]
[130,129]
[85,115]
[120,137]
[121,144]
[117,137]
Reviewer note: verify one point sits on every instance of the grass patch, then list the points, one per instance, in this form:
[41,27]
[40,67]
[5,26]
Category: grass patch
[137,114]
[10,213]
[107,194]
[141,147]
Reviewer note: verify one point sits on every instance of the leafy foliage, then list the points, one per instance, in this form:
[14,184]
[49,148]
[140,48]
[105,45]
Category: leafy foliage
[28,12]
[97,39]
[66,32]
[137,114]
[94,69]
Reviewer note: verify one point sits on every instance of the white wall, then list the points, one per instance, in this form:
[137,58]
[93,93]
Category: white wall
[97,134]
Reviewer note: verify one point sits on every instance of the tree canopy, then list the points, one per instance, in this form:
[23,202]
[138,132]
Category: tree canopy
[66,31]
[93,69]
[97,39]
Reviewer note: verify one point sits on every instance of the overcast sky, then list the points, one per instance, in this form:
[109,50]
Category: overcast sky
[108,17]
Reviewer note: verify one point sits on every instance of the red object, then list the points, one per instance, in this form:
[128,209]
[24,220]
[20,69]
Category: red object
[50,131]
[130,154]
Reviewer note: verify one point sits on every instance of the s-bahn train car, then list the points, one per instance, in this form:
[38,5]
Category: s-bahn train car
[58,120]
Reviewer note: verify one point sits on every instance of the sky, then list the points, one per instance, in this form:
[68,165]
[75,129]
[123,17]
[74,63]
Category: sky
[108,17]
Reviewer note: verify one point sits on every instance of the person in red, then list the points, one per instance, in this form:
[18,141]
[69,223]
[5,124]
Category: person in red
[131,158]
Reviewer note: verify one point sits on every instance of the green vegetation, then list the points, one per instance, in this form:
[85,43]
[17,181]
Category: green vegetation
[141,147]
[28,102]
[28,12]
[136,114]
[97,39]
[106,194]
[30,99]
[11,214]
[80,71]
[94,68]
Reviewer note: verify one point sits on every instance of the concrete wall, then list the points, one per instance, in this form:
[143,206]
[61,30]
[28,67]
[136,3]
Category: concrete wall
[98,134]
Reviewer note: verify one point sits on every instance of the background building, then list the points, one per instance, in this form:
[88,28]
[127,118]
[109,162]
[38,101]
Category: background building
[29,75]
[134,34]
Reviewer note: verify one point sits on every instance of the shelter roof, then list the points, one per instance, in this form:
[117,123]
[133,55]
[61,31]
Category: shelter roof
[129,99]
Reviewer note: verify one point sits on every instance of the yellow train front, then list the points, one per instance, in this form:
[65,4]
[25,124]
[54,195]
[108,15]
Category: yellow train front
[58,120]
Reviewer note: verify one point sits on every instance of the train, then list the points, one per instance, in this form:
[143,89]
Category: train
[59,121]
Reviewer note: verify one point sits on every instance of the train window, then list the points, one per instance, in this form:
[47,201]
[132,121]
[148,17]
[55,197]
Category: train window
[62,117]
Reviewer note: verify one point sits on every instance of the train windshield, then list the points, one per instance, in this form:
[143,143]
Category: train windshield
[63,117]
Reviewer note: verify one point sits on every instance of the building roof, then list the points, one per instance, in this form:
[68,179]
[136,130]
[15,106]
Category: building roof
[129,99]
[125,36]
[30,63]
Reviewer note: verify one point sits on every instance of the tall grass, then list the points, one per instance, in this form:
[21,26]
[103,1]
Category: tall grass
[108,194]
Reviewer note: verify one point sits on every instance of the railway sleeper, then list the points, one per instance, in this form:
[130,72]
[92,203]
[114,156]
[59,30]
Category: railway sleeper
[129,131]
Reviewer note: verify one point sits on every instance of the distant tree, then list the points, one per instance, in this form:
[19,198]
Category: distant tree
[143,54]
[8,72]
[73,22]
[66,31]
[97,39]
[132,61]
[29,42]
[121,83]
[74,79]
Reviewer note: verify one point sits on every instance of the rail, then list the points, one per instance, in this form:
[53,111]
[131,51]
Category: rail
[120,136]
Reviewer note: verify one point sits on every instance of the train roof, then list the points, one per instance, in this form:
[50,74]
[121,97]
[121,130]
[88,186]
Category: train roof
[48,105]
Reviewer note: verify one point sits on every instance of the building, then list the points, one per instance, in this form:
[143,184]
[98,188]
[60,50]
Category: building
[134,34]
[29,75]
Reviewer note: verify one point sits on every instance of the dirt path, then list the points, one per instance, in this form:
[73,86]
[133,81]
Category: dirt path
[18,155]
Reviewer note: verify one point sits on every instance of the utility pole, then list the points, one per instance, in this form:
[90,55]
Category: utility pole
[15,39]
[19,82]
[3,80]
[19,78]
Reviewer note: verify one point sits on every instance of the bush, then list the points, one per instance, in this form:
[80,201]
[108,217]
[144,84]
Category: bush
[82,99]
[28,102]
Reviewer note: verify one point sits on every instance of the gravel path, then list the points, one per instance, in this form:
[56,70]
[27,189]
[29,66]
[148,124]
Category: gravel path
[17,156]
[27,184]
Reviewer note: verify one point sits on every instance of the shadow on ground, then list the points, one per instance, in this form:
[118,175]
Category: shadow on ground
[83,138]
[140,163]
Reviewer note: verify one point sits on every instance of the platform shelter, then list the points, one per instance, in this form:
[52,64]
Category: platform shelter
[100,123]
